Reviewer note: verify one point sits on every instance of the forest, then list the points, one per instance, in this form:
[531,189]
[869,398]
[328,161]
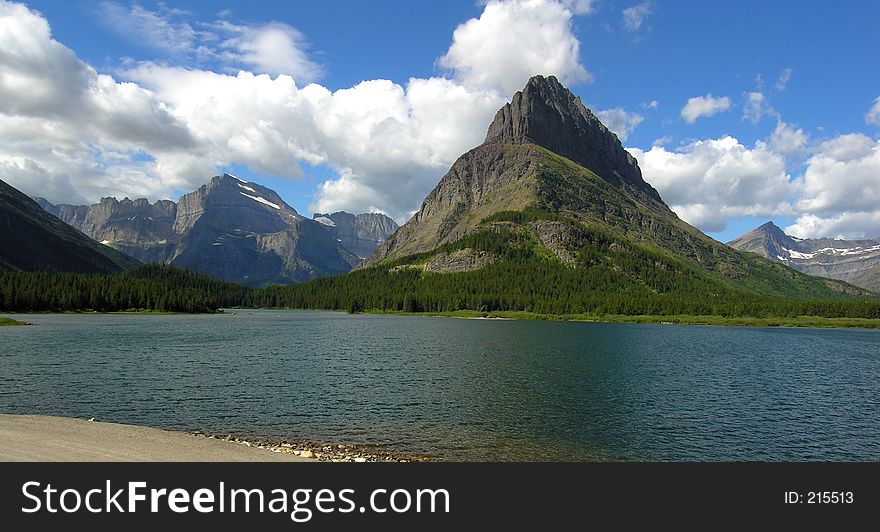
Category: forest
[605,280]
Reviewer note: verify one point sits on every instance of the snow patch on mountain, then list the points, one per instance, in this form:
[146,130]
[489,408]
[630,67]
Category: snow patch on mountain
[262,200]
[326,221]
[798,255]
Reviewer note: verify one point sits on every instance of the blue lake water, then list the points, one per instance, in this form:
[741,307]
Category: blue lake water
[461,389]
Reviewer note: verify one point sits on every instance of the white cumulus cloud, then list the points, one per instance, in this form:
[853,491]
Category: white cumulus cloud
[274,48]
[74,135]
[842,176]
[64,128]
[788,140]
[700,106]
[709,181]
[512,41]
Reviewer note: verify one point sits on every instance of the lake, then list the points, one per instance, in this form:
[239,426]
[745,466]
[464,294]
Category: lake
[460,389]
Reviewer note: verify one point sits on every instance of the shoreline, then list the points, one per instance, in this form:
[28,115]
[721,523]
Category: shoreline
[798,322]
[316,451]
[39,438]
[782,322]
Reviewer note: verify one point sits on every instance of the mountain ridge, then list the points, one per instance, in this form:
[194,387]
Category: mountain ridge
[549,115]
[228,228]
[362,233]
[853,261]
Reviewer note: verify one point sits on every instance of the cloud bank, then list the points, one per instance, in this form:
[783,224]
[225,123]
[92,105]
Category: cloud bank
[74,135]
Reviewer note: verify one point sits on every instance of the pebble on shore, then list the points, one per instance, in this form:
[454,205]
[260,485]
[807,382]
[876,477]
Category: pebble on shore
[317,451]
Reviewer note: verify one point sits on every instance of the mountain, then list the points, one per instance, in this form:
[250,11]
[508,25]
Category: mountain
[550,214]
[854,261]
[536,154]
[33,240]
[137,228]
[360,234]
[229,229]
[546,152]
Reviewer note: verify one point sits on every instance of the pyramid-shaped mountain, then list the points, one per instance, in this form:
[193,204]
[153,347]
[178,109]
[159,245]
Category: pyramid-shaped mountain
[551,186]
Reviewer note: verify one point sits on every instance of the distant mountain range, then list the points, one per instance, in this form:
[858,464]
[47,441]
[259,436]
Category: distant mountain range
[853,261]
[229,229]
[33,240]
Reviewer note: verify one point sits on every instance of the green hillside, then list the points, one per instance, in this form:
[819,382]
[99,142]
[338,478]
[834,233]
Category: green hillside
[602,273]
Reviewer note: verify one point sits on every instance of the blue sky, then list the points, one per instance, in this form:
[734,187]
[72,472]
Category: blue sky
[807,140]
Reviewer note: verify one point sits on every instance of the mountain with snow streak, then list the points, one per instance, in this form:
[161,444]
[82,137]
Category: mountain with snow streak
[854,261]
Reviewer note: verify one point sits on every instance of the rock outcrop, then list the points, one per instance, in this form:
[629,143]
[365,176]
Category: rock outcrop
[549,115]
[137,228]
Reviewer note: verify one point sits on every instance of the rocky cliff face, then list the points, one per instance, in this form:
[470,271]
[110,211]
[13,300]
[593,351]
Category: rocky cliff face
[543,150]
[137,228]
[853,261]
[549,115]
[228,229]
[360,234]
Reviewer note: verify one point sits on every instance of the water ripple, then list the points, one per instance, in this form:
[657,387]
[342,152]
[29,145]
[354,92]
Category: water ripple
[462,389]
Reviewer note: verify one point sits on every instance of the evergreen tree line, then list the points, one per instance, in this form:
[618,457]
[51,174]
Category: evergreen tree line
[153,288]
[606,278]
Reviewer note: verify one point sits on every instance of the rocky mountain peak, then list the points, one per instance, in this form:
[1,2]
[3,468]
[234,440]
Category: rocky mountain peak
[773,232]
[549,115]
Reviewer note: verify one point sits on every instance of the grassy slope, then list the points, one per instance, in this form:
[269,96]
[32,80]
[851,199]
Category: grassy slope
[576,192]
[610,275]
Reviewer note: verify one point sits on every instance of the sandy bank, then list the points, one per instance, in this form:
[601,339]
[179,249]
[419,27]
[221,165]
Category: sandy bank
[58,439]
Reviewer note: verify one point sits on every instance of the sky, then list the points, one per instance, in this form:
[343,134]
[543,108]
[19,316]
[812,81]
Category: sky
[738,112]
